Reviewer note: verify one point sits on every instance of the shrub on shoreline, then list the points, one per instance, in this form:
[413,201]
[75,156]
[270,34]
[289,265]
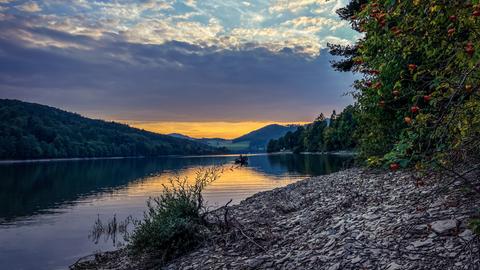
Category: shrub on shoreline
[174,222]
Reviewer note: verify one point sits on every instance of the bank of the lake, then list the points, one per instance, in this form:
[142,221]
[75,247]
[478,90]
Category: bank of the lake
[352,219]
[340,153]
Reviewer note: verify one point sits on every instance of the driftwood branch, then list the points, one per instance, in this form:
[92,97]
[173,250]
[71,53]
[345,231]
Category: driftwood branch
[238,227]
[225,215]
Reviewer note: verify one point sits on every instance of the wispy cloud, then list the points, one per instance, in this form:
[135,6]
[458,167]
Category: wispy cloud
[228,24]
[29,7]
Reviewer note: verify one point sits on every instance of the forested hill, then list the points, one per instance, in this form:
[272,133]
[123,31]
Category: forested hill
[29,131]
[259,138]
[334,134]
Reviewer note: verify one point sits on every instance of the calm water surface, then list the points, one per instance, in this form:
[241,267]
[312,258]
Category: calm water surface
[47,209]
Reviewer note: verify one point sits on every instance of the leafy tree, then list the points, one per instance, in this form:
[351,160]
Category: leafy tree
[340,134]
[418,100]
[313,139]
[318,136]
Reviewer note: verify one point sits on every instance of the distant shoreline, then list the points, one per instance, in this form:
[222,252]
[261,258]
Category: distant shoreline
[42,160]
[345,153]
[12,161]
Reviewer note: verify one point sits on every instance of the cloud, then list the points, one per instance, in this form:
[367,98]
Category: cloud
[167,60]
[226,24]
[29,7]
[276,39]
[293,6]
[156,31]
[314,24]
[173,81]
[130,11]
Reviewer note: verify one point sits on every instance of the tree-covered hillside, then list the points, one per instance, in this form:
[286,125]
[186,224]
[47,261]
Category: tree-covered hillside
[30,130]
[334,134]
[259,138]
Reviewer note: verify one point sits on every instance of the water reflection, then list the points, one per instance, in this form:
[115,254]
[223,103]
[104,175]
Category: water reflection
[312,164]
[57,202]
[34,188]
[28,189]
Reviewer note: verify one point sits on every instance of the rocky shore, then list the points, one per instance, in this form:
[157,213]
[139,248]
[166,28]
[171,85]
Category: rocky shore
[353,219]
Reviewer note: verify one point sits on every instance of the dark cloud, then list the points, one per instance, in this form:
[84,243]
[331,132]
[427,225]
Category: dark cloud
[174,81]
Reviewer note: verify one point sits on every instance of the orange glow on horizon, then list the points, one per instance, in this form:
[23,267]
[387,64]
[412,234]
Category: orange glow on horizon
[225,130]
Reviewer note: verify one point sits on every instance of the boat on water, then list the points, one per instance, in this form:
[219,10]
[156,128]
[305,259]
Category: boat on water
[241,160]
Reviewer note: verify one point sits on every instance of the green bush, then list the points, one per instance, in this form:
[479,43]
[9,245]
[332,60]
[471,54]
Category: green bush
[174,222]
[418,100]
[475,225]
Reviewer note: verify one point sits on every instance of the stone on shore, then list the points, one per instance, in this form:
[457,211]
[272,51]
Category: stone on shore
[443,226]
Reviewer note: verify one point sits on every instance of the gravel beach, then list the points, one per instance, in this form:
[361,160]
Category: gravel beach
[353,219]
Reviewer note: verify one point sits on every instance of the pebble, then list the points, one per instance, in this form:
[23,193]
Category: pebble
[467,235]
[418,244]
[443,226]
[394,266]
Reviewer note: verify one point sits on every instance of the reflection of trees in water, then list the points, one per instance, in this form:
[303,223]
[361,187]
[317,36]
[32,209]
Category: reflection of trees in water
[30,188]
[310,164]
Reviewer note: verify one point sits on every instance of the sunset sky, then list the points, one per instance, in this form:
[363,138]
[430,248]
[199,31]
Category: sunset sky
[211,68]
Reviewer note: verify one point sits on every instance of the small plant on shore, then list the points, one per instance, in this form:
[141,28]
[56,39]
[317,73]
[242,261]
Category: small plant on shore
[475,225]
[111,230]
[174,222]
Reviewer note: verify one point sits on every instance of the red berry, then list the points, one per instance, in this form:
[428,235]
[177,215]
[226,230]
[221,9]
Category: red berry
[414,109]
[469,48]
[412,67]
[451,31]
[427,98]
[453,18]
[476,13]
[396,31]
[394,166]
[468,88]
[408,120]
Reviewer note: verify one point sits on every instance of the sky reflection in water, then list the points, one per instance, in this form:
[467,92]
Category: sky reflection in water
[47,209]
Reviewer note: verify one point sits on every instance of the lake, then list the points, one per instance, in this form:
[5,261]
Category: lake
[47,209]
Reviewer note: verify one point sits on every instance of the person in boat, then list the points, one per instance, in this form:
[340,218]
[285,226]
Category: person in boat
[242,160]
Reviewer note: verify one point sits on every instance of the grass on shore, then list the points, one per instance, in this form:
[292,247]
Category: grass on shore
[173,224]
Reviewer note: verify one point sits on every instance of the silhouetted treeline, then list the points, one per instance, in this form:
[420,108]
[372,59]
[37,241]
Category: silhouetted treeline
[30,130]
[334,134]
